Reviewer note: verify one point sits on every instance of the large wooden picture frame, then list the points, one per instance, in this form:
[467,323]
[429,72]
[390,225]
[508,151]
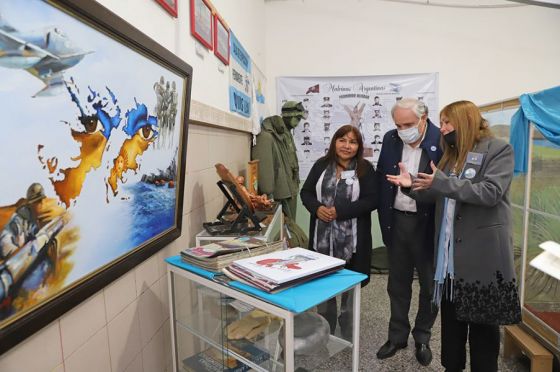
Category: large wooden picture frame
[202,22]
[94,149]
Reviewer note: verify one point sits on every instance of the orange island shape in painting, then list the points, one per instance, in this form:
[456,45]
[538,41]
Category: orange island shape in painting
[141,127]
[97,129]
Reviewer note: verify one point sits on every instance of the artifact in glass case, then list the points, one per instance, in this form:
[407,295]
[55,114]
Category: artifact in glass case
[252,325]
[549,260]
[311,333]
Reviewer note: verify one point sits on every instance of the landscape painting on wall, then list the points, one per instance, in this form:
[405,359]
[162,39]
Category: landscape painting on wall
[94,139]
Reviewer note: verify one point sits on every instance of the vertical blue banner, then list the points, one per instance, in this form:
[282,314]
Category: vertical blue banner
[241,86]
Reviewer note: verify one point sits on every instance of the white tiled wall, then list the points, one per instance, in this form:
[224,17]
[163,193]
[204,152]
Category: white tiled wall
[125,326]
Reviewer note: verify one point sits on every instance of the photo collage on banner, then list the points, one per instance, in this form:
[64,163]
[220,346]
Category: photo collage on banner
[363,101]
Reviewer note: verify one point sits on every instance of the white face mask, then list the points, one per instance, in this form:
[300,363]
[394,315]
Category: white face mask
[410,135]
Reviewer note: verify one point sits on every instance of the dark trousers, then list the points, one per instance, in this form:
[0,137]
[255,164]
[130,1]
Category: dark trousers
[411,248]
[329,311]
[484,342]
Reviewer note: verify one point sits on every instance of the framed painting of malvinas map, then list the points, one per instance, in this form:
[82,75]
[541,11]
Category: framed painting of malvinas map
[93,152]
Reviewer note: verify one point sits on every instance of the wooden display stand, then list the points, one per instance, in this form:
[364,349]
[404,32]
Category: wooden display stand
[517,342]
[238,200]
[253,176]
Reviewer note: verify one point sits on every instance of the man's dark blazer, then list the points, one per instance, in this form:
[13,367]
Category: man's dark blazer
[388,163]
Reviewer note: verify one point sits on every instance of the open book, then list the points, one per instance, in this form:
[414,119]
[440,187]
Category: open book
[279,270]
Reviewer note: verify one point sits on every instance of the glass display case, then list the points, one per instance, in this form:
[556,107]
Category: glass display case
[215,327]
[535,198]
[499,117]
[541,295]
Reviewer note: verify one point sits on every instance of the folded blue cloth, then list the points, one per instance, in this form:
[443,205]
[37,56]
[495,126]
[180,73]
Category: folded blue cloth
[543,110]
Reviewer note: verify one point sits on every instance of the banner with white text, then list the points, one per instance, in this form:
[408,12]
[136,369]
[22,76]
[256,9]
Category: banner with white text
[240,80]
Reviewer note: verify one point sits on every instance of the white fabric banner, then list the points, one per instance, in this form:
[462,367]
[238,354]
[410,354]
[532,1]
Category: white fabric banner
[363,101]
[260,108]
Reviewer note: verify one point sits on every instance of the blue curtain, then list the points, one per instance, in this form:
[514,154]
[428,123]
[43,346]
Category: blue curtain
[543,110]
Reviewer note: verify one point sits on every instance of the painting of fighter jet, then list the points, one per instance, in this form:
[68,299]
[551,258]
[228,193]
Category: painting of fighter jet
[97,114]
[44,54]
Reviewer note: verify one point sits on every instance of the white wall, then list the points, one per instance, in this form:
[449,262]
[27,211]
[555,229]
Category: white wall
[483,55]
[211,82]
[125,326]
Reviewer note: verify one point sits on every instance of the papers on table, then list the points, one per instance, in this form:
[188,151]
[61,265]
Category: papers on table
[549,260]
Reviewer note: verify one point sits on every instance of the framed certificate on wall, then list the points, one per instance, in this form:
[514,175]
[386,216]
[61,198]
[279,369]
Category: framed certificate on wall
[221,39]
[201,22]
[170,6]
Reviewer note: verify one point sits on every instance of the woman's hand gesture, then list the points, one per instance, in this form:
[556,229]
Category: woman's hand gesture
[424,180]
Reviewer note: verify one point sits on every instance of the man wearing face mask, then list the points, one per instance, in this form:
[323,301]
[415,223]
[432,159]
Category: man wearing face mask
[407,226]
[276,151]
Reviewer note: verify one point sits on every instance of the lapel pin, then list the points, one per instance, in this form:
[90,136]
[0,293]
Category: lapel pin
[470,173]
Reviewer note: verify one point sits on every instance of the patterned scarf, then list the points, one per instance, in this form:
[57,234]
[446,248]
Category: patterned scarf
[337,238]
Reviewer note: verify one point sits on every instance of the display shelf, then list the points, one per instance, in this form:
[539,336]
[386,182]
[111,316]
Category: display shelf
[334,346]
[263,367]
[209,321]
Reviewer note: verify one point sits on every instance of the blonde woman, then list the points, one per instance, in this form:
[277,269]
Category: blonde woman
[475,283]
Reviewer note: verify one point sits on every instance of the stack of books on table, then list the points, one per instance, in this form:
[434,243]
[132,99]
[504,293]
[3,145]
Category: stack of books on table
[217,255]
[276,271]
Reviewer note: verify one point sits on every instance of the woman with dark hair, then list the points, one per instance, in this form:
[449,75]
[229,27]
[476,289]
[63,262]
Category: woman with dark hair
[340,193]
[475,282]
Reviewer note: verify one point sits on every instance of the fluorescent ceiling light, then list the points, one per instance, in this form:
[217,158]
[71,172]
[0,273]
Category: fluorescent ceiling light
[548,3]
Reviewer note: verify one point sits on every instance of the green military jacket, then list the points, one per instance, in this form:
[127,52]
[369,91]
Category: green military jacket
[278,163]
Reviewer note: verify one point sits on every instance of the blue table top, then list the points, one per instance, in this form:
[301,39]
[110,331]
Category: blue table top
[296,299]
